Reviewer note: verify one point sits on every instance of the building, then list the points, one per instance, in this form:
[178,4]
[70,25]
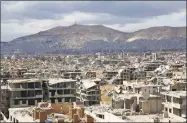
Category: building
[29,92]
[174,103]
[138,97]
[109,74]
[62,90]
[71,74]
[88,92]
[49,112]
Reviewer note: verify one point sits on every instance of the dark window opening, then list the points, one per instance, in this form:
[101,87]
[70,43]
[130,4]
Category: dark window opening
[31,102]
[52,100]
[169,110]
[16,102]
[166,109]
[24,101]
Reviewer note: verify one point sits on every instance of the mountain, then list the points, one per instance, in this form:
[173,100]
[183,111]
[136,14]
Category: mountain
[96,38]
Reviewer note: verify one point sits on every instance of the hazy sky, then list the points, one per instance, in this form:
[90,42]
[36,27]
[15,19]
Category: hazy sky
[24,18]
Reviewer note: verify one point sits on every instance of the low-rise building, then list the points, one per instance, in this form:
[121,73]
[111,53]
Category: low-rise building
[174,103]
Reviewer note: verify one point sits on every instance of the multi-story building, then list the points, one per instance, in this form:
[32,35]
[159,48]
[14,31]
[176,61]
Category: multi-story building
[109,74]
[88,92]
[151,66]
[72,74]
[174,103]
[90,75]
[62,90]
[17,72]
[28,92]
[3,99]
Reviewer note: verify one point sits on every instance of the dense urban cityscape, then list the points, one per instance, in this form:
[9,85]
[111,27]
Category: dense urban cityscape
[125,87]
[93,61]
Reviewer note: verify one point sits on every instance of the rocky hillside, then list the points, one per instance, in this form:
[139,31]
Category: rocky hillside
[98,37]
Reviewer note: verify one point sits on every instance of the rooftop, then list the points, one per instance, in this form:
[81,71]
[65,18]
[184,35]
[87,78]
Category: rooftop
[178,94]
[59,80]
[87,83]
[22,114]
[23,80]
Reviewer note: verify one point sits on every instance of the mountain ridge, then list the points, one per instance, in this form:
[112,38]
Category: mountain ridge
[79,36]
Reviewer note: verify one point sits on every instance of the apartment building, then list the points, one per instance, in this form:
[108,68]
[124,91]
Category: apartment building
[139,75]
[174,103]
[151,66]
[138,97]
[17,72]
[71,74]
[109,74]
[29,92]
[90,75]
[88,92]
[62,90]
[4,100]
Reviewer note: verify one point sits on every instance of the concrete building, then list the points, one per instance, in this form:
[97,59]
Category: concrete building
[174,103]
[138,97]
[72,74]
[4,100]
[151,66]
[17,72]
[49,112]
[109,74]
[29,92]
[88,92]
[90,75]
[62,90]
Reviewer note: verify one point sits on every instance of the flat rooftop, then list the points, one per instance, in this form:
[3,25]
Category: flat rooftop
[59,80]
[149,118]
[88,83]
[23,80]
[178,94]
[22,114]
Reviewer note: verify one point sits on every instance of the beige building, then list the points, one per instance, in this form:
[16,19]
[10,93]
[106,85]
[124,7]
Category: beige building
[88,92]
[29,92]
[138,97]
[174,103]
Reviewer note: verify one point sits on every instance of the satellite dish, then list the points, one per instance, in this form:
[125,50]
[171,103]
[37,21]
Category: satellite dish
[145,93]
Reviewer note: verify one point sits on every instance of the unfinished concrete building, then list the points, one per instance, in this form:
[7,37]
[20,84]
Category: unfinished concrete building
[89,75]
[27,92]
[4,100]
[88,92]
[62,90]
[138,98]
[151,66]
[17,72]
[109,74]
[174,103]
[72,74]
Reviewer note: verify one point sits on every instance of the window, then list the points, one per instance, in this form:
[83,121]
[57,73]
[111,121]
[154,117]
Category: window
[16,102]
[24,101]
[170,110]
[166,109]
